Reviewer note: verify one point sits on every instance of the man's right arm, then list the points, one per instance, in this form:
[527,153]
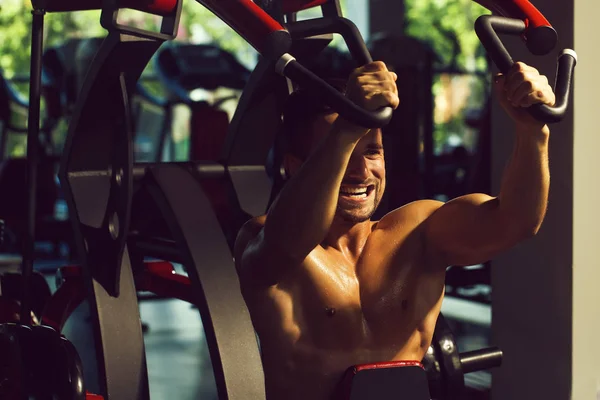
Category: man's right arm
[301,215]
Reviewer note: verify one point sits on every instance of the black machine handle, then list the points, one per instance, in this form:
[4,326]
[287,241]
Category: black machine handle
[481,359]
[289,67]
[487,28]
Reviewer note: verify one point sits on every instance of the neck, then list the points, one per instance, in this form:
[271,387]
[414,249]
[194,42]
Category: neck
[348,238]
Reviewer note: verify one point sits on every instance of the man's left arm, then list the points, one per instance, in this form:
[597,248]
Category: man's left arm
[474,228]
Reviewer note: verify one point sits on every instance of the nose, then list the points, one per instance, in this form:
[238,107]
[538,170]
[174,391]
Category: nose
[357,168]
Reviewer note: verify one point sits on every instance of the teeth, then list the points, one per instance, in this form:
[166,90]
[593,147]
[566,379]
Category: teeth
[356,195]
[354,190]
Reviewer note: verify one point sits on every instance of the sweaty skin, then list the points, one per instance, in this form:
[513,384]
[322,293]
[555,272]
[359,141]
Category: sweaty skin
[328,288]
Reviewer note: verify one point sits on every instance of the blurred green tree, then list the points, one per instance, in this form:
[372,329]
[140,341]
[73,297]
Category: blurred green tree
[447,27]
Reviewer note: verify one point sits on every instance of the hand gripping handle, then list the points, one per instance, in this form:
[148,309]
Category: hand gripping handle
[487,28]
[289,67]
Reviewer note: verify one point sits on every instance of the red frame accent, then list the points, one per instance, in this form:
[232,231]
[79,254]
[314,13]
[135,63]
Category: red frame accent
[342,391]
[290,6]
[249,20]
[387,364]
[66,299]
[159,277]
[158,7]
[521,9]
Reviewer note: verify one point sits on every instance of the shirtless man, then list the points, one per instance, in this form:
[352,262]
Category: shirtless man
[327,287]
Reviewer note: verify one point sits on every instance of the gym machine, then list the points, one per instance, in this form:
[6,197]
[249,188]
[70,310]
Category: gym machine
[183,69]
[201,204]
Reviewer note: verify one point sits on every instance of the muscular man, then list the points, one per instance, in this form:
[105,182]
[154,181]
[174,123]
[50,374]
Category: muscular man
[327,287]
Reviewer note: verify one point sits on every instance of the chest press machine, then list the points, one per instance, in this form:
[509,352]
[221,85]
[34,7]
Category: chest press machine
[190,212]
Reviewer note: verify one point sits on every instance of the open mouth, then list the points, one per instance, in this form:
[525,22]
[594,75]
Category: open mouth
[356,192]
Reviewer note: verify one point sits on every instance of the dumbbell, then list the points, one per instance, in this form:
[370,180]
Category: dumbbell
[446,367]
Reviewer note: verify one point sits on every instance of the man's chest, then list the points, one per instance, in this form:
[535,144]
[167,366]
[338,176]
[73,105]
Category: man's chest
[343,305]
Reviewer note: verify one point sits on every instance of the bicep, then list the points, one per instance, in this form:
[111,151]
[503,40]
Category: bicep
[470,230]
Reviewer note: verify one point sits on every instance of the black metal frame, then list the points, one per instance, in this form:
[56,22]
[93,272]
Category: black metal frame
[96,176]
[198,238]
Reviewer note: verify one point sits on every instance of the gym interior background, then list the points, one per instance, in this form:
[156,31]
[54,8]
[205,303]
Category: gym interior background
[537,302]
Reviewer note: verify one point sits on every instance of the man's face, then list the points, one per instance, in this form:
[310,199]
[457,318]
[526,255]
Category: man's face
[364,180]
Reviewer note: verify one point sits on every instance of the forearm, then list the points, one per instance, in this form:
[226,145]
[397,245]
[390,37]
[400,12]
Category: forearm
[303,212]
[523,195]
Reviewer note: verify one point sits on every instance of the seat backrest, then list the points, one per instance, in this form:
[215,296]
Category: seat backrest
[208,129]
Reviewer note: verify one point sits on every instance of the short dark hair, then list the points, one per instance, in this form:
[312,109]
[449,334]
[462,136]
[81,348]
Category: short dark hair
[299,112]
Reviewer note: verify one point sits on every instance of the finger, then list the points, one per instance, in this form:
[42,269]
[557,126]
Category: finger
[394,76]
[374,66]
[520,71]
[499,80]
[519,68]
[377,100]
[501,96]
[514,86]
[499,87]
[512,82]
[538,89]
[375,77]
[530,99]
[521,92]
[382,76]
[370,86]
[541,95]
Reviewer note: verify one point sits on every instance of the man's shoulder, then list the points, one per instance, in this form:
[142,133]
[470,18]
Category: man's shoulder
[248,231]
[254,224]
[409,215]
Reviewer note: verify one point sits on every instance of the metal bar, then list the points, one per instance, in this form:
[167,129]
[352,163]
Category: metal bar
[481,359]
[204,169]
[37,44]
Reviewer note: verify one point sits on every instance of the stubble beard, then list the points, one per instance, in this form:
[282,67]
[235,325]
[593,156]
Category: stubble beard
[353,217]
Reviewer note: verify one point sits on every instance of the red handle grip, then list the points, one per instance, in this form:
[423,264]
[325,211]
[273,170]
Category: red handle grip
[246,18]
[521,9]
[158,7]
[540,36]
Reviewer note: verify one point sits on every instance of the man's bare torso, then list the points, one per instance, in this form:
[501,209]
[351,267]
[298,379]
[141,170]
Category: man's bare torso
[331,312]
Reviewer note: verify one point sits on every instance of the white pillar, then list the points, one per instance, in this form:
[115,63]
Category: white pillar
[586,210]
[546,291]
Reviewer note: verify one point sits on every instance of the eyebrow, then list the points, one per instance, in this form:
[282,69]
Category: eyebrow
[374,146]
